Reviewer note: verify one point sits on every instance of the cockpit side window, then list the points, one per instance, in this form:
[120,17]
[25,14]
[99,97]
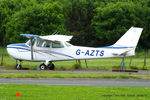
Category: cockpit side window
[39,43]
[43,43]
[57,45]
[47,44]
[33,41]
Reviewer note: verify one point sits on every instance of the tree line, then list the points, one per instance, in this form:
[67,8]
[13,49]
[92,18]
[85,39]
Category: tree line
[91,22]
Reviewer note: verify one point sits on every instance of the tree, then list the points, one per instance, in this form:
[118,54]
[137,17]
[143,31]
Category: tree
[6,9]
[113,20]
[79,22]
[91,22]
[40,19]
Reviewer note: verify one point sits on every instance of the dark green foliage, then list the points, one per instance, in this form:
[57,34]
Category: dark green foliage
[145,68]
[79,22]
[113,20]
[40,19]
[91,22]
[133,67]
[77,66]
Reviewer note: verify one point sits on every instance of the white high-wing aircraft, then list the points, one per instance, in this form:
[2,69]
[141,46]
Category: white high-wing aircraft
[51,48]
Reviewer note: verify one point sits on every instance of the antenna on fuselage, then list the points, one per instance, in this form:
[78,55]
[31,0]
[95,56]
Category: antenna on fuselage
[56,32]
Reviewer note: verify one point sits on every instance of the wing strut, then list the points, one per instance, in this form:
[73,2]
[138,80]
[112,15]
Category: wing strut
[31,37]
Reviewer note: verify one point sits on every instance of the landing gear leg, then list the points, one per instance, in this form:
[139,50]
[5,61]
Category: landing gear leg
[51,66]
[124,67]
[19,66]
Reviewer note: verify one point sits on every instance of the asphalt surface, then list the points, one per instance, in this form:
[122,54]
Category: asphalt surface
[78,82]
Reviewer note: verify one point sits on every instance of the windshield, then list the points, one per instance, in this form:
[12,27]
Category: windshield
[29,42]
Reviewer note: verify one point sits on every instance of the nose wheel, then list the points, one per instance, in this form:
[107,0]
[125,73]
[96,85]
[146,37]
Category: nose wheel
[19,66]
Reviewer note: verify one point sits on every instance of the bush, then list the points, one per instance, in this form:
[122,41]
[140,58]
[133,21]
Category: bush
[145,68]
[76,66]
[115,67]
[133,67]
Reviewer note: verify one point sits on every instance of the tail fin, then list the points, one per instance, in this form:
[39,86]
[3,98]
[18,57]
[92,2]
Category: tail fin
[130,38]
[128,42]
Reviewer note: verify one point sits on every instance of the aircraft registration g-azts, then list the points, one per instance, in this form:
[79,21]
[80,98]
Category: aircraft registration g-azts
[50,48]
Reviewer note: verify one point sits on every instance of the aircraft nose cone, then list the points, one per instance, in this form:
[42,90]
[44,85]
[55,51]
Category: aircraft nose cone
[12,51]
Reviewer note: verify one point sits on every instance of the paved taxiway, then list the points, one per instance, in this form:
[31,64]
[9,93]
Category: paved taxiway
[78,81]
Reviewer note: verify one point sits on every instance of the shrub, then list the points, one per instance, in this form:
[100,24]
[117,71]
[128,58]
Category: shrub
[76,66]
[145,68]
[133,67]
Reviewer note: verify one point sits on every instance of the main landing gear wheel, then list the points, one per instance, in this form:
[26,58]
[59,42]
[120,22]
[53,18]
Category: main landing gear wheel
[51,66]
[42,66]
[19,66]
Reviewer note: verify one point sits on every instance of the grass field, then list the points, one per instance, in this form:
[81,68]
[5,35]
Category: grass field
[102,64]
[51,74]
[44,92]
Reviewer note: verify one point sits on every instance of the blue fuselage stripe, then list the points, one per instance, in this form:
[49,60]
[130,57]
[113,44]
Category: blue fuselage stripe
[23,49]
[39,51]
[115,47]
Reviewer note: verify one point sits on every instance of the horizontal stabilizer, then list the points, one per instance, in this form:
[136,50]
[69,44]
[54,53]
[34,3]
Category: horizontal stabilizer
[121,52]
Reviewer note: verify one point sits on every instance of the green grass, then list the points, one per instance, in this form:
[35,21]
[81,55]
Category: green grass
[50,74]
[44,92]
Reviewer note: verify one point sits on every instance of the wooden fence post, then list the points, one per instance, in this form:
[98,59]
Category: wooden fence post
[86,63]
[2,56]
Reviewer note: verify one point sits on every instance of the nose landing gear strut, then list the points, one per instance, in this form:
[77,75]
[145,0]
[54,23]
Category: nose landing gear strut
[19,66]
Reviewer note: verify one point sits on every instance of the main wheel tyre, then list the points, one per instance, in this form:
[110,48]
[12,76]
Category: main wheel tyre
[18,66]
[51,66]
[42,66]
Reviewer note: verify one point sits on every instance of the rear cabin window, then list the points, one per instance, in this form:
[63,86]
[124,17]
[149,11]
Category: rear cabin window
[57,45]
[43,43]
[67,44]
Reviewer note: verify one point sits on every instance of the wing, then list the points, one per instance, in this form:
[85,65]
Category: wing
[56,37]
[49,37]
[29,35]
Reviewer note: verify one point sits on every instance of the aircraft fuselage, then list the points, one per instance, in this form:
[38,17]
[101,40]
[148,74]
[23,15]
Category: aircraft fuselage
[23,52]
